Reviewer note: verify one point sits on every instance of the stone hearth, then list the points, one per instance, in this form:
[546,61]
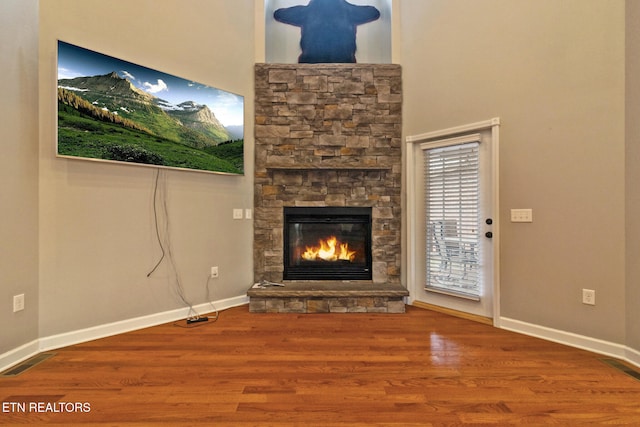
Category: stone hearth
[328,297]
[327,135]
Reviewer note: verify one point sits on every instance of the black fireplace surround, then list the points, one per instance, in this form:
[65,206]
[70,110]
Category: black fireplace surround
[327,243]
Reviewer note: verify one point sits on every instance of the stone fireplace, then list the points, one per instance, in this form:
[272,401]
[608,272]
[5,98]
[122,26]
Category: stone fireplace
[328,137]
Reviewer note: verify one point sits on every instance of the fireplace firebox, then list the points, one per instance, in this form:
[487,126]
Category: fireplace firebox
[327,243]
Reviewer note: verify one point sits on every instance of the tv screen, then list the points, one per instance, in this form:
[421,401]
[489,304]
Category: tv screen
[117,111]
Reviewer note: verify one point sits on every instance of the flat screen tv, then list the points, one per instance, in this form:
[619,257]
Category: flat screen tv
[112,110]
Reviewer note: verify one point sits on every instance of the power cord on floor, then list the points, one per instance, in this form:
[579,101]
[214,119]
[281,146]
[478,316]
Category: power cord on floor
[201,320]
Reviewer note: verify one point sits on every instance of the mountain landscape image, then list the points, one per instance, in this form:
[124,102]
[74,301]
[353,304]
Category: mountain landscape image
[124,115]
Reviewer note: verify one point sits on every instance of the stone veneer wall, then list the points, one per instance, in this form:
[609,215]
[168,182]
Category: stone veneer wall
[328,135]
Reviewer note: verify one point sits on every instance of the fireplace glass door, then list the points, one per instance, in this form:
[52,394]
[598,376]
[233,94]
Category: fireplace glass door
[326,243]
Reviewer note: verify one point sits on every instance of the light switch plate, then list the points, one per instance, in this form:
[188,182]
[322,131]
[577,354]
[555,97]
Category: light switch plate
[18,303]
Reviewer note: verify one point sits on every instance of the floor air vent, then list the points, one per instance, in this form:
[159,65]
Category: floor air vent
[27,364]
[622,367]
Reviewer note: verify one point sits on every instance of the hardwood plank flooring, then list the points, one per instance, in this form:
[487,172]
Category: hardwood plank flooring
[420,368]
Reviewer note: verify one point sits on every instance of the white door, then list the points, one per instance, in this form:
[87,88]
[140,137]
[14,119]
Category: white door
[452,218]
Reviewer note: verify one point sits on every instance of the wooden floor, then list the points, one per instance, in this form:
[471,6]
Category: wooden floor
[421,368]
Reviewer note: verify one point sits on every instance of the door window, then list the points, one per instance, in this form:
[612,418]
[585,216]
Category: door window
[452,209]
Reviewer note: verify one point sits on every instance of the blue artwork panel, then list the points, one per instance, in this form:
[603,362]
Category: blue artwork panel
[328,29]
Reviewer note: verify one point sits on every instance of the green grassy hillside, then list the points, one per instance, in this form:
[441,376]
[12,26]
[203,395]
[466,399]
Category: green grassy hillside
[83,136]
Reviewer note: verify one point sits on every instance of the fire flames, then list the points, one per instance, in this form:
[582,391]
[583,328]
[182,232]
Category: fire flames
[329,250]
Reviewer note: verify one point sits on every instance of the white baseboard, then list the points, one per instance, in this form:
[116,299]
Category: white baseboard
[19,354]
[633,356]
[573,340]
[13,357]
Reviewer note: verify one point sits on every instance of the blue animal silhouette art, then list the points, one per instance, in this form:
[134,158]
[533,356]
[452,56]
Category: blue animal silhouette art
[328,29]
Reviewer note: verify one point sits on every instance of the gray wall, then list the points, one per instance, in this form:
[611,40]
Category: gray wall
[19,171]
[633,174]
[553,71]
[97,241]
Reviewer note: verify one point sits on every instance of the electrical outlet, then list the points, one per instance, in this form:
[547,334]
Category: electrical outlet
[237,214]
[589,296]
[214,272]
[18,302]
[521,215]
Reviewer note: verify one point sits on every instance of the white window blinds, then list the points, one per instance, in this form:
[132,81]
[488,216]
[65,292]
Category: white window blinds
[452,214]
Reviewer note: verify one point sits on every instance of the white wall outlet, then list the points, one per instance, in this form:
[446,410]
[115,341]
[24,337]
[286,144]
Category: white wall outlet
[18,302]
[214,272]
[237,214]
[589,296]
[521,215]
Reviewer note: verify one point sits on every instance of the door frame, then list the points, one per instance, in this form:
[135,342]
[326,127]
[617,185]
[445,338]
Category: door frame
[413,149]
